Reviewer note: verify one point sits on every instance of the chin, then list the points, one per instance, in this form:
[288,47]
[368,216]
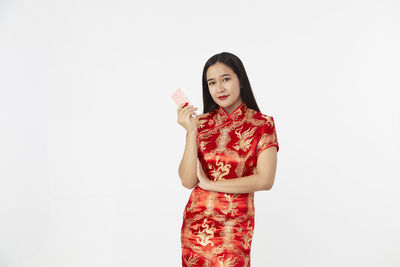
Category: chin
[222,104]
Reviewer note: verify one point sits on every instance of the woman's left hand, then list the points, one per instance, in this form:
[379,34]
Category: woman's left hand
[204,182]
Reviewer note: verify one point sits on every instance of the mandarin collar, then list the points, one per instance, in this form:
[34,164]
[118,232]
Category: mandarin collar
[237,114]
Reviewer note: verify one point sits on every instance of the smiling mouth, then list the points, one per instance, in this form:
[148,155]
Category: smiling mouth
[223,97]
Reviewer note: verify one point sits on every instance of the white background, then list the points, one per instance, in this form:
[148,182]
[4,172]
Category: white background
[90,145]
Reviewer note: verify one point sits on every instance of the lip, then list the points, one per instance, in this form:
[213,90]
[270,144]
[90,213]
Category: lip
[222,97]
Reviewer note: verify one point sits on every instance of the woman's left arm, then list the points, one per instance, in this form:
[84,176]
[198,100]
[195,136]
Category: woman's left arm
[263,179]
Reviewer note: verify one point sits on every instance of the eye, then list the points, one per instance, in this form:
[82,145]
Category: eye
[227,79]
[210,83]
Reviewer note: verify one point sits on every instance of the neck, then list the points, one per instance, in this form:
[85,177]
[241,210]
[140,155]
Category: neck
[233,108]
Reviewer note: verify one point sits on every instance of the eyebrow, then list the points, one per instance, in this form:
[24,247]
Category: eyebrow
[225,74]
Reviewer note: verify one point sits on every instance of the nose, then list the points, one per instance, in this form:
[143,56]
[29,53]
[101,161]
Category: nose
[220,88]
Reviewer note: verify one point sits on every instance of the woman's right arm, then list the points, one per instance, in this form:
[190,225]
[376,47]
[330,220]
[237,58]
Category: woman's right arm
[188,166]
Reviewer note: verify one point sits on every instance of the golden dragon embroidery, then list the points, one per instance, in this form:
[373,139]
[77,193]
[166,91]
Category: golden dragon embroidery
[206,234]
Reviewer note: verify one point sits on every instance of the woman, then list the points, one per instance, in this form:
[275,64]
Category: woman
[225,160]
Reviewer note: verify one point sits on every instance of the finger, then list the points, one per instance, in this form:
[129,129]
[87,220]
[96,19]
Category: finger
[187,111]
[184,108]
[186,105]
[190,108]
[180,107]
[183,112]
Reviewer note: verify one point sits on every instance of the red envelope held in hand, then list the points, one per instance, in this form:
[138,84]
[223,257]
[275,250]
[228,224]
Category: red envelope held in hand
[179,97]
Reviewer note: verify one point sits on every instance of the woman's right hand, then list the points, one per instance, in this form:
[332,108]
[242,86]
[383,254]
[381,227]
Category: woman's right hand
[185,117]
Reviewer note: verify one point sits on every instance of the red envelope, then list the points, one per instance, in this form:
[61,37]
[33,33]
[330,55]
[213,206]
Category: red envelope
[179,97]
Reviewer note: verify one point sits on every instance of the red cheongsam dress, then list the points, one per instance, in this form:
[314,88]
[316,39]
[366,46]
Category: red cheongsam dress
[218,227]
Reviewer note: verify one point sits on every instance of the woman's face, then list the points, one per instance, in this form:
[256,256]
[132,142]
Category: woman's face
[222,81]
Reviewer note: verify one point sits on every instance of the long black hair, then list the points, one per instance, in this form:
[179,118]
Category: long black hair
[237,67]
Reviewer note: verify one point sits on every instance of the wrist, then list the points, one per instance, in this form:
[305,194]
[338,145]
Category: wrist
[210,184]
[191,132]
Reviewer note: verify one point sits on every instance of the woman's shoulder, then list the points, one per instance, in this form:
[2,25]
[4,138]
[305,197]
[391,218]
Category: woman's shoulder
[204,120]
[258,116]
[203,116]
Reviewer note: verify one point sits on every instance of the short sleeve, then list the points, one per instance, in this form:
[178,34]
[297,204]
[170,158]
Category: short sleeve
[267,136]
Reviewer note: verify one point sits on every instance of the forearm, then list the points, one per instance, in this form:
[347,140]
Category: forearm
[241,185]
[188,165]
